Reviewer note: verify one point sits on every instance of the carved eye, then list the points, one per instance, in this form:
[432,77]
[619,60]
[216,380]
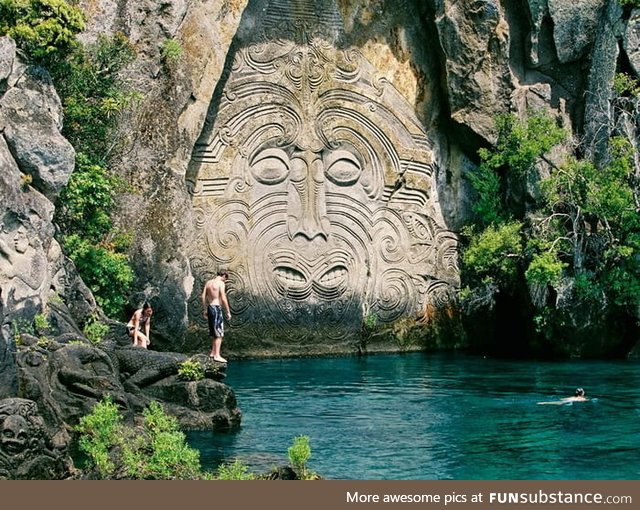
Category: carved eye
[342,167]
[270,166]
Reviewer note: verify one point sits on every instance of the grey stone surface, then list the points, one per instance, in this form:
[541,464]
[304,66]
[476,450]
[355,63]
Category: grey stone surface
[161,133]
[310,246]
[574,26]
[33,270]
[598,114]
[67,378]
[313,184]
[631,40]
[31,114]
[7,57]
[474,36]
[538,10]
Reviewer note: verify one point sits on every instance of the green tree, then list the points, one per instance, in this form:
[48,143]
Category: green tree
[590,218]
[94,96]
[520,145]
[44,29]
[86,202]
[107,273]
[493,255]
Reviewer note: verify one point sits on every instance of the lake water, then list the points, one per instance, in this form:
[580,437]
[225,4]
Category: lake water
[435,416]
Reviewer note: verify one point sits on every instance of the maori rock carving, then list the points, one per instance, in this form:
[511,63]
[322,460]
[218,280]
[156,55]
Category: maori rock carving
[22,266]
[312,183]
[67,379]
[26,451]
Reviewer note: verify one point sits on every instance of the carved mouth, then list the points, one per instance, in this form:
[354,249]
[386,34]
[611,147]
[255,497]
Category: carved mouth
[297,278]
[13,446]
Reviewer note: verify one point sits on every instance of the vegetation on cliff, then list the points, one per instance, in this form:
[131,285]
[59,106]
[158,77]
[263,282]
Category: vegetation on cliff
[93,95]
[157,449]
[575,244]
[44,29]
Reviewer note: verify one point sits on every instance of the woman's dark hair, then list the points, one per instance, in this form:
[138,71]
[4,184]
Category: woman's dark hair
[146,305]
[223,272]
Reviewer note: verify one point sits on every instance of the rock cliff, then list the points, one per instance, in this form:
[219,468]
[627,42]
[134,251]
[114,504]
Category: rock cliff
[237,157]
[36,163]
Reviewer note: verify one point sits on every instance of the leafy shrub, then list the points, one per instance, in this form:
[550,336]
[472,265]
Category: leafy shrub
[43,29]
[370,321]
[237,470]
[93,95]
[20,326]
[493,255]
[519,146]
[623,84]
[41,323]
[161,452]
[89,238]
[86,202]
[107,273]
[521,142]
[485,181]
[156,450]
[590,213]
[171,51]
[544,269]
[299,454]
[94,330]
[190,370]
[100,432]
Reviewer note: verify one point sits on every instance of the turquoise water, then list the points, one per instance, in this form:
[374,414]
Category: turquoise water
[435,416]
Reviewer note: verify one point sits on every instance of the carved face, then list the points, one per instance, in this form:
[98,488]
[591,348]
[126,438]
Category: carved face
[312,185]
[15,436]
[20,240]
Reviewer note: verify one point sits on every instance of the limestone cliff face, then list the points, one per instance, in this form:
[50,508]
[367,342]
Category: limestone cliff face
[35,162]
[451,66]
[252,116]
[161,134]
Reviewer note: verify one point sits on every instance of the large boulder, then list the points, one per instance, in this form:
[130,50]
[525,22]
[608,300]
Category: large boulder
[574,27]
[68,375]
[631,40]
[31,119]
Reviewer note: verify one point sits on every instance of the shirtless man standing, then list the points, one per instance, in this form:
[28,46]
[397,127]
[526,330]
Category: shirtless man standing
[214,298]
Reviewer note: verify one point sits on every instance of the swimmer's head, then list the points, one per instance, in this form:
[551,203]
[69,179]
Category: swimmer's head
[579,392]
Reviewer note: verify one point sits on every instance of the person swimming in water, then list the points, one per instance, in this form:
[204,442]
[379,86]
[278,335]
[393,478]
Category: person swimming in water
[578,396]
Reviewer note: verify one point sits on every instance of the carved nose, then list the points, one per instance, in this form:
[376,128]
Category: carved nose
[307,202]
